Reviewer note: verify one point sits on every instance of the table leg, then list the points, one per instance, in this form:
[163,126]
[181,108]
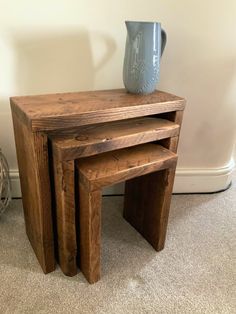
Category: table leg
[152,193]
[64,177]
[147,203]
[32,155]
[90,233]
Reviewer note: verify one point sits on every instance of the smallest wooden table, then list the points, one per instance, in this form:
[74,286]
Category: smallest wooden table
[35,118]
[154,166]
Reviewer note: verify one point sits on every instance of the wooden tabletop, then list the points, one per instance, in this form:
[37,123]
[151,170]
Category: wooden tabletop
[64,110]
[120,165]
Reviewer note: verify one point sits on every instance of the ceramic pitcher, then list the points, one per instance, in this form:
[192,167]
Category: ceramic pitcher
[145,44]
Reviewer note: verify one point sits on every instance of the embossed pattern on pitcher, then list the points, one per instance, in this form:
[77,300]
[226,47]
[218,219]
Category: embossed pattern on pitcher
[142,57]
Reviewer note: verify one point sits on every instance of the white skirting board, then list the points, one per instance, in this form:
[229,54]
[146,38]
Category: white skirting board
[186,181]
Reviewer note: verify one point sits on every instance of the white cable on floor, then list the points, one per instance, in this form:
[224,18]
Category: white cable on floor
[5,184]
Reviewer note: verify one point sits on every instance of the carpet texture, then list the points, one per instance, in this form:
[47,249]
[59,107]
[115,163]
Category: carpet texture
[195,273]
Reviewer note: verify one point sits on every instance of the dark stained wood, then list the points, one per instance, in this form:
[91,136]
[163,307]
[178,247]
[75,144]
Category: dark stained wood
[34,117]
[140,130]
[148,210]
[92,140]
[58,111]
[99,171]
[64,177]
[112,167]
[136,187]
[90,233]
[171,143]
[32,158]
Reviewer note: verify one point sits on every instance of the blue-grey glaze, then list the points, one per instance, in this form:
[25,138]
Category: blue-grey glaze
[145,44]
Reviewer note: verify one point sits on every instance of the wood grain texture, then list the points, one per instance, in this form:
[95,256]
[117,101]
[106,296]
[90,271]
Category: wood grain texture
[171,143]
[95,139]
[90,233]
[148,210]
[32,156]
[64,177]
[91,141]
[136,187]
[112,167]
[99,171]
[58,111]
[37,116]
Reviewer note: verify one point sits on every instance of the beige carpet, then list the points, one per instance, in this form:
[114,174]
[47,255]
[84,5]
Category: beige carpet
[194,274]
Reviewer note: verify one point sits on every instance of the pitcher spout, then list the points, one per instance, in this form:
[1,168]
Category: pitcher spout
[132,28]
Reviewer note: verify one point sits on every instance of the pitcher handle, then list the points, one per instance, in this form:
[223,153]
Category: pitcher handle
[163,40]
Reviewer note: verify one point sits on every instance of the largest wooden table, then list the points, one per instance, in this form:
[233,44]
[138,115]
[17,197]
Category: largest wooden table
[35,117]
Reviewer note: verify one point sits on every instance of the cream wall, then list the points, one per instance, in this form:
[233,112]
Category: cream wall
[58,45]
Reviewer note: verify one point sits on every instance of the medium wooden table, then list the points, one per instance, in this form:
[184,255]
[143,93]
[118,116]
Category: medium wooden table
[35,118]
